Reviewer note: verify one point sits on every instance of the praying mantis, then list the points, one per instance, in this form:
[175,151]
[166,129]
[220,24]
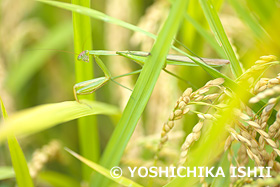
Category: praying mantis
[90,86]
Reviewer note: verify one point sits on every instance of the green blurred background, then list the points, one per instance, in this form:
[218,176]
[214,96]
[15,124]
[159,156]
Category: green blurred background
[34,69]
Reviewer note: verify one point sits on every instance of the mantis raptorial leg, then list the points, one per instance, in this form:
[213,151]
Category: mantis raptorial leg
[90,86]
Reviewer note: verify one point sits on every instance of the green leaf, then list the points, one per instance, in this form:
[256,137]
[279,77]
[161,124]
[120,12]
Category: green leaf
[208,37]
[121,180]
[4,112]
[46,116]
[6,173]
[19,163]
[18,160]
[142,91]
[97,15]
[218,30]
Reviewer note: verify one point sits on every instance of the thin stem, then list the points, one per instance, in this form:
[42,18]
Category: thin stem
[87,127]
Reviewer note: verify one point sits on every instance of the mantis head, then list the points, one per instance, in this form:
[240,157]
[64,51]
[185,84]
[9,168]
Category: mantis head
[83,56]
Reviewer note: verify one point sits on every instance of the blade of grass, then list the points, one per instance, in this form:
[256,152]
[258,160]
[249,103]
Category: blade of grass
[46,116]
[18,160]
[121,180]
[218,30]
[97,15]
[6,172]
[206,35]
[4,112]
[33,60]
[142,91]
[192,39]
[88,130]
[19,163]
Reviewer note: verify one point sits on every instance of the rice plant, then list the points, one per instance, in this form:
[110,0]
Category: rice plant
[139,93]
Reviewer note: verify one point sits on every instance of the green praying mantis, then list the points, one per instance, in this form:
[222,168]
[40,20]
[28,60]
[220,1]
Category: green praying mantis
[90,86]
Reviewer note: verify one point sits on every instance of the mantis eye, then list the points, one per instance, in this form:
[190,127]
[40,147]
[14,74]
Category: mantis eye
[79,57]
